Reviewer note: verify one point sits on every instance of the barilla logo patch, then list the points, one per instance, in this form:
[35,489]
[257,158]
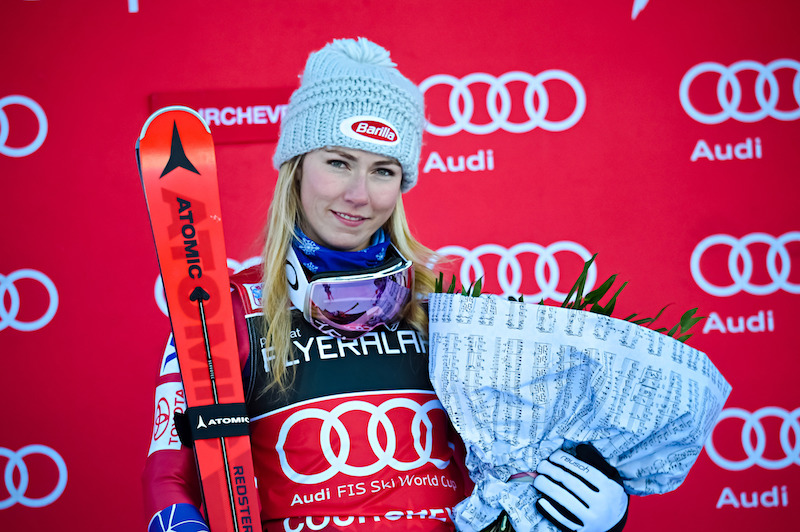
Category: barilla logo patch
[370,129]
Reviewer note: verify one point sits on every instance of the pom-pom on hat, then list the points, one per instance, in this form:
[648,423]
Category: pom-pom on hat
[352,95]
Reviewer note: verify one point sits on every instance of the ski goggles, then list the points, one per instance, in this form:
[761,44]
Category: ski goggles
[347,305]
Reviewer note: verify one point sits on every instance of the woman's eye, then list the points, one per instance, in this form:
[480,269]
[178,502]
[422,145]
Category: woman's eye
[386,172]
[337,163]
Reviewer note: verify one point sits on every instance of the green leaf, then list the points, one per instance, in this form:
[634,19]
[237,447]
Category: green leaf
[477,290]
[579,284]
[673,330]
[598,293]
[452,288]
[684,338]
[439,283]
[609,308]
[687,321]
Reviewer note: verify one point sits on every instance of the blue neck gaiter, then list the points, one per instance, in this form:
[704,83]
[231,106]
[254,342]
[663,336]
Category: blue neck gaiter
[318,258]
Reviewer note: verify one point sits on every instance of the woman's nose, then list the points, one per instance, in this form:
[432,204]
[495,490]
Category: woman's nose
[356,191]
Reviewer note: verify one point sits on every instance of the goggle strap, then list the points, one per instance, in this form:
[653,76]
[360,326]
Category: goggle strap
[296,280]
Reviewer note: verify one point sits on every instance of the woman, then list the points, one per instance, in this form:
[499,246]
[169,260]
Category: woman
[346,431]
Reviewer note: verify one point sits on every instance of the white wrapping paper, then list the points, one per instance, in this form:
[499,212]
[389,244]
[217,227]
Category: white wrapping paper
[521,380]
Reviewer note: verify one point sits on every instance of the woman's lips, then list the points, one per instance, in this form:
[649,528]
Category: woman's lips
[349,219]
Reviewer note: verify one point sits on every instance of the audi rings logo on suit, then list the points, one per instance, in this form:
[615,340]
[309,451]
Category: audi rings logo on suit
[384,453]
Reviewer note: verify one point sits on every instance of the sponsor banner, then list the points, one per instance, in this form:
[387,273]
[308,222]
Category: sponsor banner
[235,115]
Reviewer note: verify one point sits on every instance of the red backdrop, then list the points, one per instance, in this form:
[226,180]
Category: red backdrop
[661,135]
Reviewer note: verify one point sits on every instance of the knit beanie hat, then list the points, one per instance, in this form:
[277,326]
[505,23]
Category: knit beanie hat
[351,95]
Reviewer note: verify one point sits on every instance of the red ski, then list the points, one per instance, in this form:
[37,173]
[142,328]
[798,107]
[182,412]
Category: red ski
[175,154]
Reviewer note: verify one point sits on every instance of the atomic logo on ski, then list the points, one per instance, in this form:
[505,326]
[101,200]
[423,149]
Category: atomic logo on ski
[177,156]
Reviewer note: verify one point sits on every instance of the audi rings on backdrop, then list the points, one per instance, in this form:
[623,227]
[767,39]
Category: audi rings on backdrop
[233,265]
[730,107]
[741,279]
[460,92]
[8,316]
[16,462]
[509,261]
[384,456]
[753,426]
[5,126]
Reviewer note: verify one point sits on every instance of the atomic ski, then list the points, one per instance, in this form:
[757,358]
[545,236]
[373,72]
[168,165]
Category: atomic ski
[175,154]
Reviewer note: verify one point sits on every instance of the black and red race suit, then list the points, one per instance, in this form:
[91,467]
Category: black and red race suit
[359,442]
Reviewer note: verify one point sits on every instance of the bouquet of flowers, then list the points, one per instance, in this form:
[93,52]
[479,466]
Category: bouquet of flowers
[521,380]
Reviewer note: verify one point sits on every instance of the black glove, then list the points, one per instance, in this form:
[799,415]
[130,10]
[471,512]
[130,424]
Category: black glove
[581,493]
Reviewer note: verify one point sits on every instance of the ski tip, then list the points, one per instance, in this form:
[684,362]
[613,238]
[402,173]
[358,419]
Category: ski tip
[168,109]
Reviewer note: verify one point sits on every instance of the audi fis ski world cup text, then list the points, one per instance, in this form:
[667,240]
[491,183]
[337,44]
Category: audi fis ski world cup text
[347,475]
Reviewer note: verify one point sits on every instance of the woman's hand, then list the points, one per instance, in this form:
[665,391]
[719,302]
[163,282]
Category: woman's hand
[577,496]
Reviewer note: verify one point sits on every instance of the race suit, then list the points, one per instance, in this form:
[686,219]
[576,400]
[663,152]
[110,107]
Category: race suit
[359,441]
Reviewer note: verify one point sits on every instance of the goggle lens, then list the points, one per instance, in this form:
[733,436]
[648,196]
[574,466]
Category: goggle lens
[353,307]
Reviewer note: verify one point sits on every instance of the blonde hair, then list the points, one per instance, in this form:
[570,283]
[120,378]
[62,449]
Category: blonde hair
[285,213]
